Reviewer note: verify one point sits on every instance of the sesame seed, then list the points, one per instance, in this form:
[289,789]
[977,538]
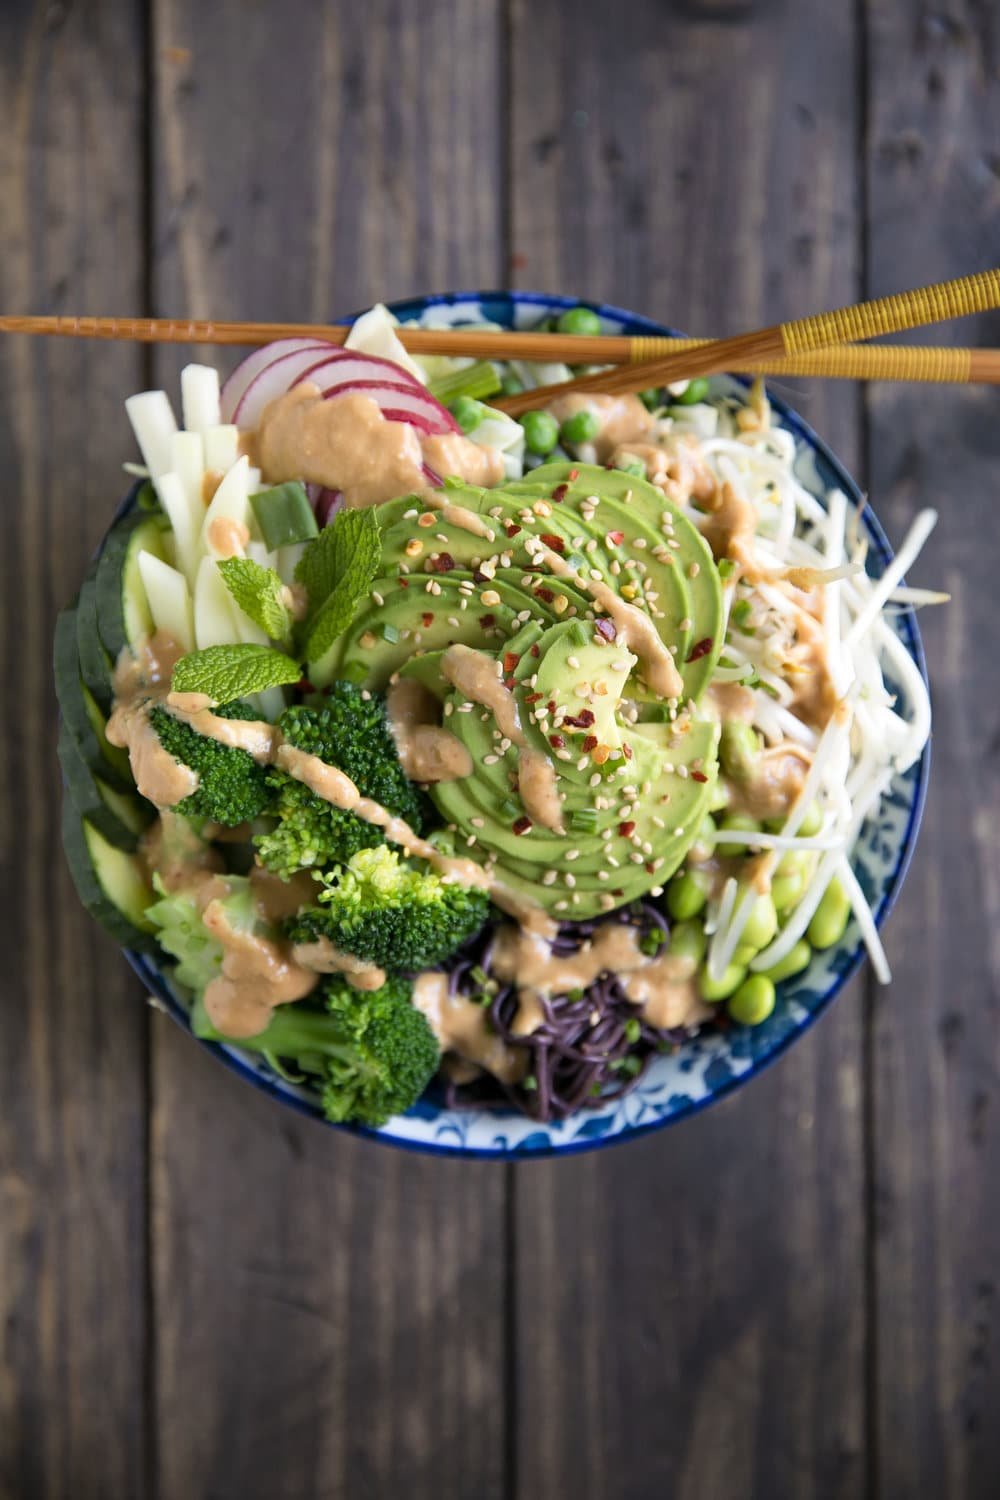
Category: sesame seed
[603,875]
[490,597]
[583,763]
[549,878]
[595,780]
[572,854]
[574,662]
[567,755]
[490,760]
[607,902]
[562,906]
[542,508]
[410,515]
[686,623]
[440,536]
[470,841]
[377,598]
[619,665]
[453,621]
[569,879]
[615,864]
[636,858]
[367,640]
[427,519]
[693,570]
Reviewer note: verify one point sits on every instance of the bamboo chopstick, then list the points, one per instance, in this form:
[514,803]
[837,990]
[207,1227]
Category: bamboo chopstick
[864,320]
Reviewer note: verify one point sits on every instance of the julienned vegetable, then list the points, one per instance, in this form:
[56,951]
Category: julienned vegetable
[639,704]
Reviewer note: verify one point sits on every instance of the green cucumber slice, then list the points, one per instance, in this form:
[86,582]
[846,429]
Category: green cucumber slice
[123,615]
[119,817]
[81,713]
[111,883]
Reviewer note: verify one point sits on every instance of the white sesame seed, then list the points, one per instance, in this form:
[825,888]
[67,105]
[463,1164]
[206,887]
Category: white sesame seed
[603,875]
[595,780]
[615,864]
[478,822]
[490,760]
[562,906]
[569,879]
[636,858]
[549,878]
[619,665]
[572,854]
[583,763]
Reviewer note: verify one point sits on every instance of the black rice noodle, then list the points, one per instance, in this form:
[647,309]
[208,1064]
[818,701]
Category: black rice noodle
[584,1052]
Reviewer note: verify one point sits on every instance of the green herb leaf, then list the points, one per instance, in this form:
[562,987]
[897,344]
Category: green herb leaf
[337,570]
[225,673]
[257,591]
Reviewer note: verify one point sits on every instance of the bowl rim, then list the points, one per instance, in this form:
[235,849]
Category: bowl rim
[164,999]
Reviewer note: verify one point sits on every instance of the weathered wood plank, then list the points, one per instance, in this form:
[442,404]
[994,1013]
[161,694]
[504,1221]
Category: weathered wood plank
[934,210]
[691,1307]
[72,1062]
[329,1312]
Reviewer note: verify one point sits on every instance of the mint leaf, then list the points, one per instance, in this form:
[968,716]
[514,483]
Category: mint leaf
[225,673]
[337,570]
[257,591]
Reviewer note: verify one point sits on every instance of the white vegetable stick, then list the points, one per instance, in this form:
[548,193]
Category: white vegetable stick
[269,703]
[866,921]
[138,471]
[286,560]
[174,499]
[777,840]
[188,463]
[375,333]
[200,397]
[230,502]
[222,447]
[169,599]
[154,424]
[214,617]
[905,557]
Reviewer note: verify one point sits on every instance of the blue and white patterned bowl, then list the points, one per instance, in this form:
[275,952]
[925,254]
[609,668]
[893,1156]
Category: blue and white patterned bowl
[709,1067]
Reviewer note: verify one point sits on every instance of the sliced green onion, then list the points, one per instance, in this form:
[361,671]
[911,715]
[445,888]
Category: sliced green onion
[390,634]
[284,515]
[476,381]
[583,820]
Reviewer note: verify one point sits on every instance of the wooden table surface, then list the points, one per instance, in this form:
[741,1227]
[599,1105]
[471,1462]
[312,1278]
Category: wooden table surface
[203,1297]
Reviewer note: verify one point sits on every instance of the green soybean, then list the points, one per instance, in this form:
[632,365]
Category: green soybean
[579,320]
[582,427]
[633,467]
[511,385]
[468,413]
[739,749]
[793,962]
[714,990]
[653,398]
[688,940]
[761,925]
[739,823]
[541,432]
[753,1002]
[697,390]
[743,953]
[787,889]
[687,893]
[830,917]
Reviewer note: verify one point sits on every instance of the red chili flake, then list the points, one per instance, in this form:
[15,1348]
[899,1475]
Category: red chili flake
[304,685]
[590,743]
[442,563]
[546,595]
[404,583]
[582,720]
[508,683]
[616,538]
[607,628]
[510,660]
[555,543]
[649,867]
[551,705]
[626,750]
[489,622]
[574,474]
[626,830]
[480,577]
[698,776]
[428,619]
[532,697]
[511,529]
[521,825]
[702,648]
[557,742]
[559,493]
[536,650]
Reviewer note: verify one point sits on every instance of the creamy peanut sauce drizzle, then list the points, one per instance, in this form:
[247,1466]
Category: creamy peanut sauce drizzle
[664,986]
[346,444]
[462,1029]
[474,674]
[227,537]
[141,681]
[621,419]
[426,751]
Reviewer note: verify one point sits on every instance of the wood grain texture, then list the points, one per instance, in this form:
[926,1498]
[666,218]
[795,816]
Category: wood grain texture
[329,1313]
[72,1150]
[935,209]
[691,1307]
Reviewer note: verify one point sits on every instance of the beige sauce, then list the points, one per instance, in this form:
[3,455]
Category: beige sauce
[462,1027]
[346,444]
[172,850]
[255,736]
[814,698]
[667,990]
[675,466]
[623,419]
[733,701]
[140,683]
[775,784]
[426,751]
[538,788]
[257,975]
[474,674]
[729,529]
[634,629]
[276,899]
[468,520]
[322,957]
[210,482]
[227,537]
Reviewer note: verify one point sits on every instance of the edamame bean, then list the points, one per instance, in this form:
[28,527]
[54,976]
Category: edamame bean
[468,413]
[753,1002]
[653,398]
[714,990]
[739,748]
[582,427]
[511,385]
[697,390]
[541,432]
[787,889]
[743,953]
[686,895]
[633,467]
[793,963]
[579,320]
[762,924]
[740,823]
[688,940]
[830,917]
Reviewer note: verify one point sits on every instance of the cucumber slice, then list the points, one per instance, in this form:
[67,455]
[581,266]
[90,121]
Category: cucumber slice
[120,817]
[123,614]
[96,665]
[284,515]
[84,721]
[111,884]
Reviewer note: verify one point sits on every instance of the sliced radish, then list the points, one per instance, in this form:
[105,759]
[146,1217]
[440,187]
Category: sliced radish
[248,369]
[432,478]
[302,364]
[327,506]
[407,404]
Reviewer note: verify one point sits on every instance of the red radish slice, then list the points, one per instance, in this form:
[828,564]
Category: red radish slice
[303,364]
[327,506]
[405,403]
[247,370]
[433,479]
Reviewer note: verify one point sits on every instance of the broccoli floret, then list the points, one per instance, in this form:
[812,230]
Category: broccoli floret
[232,787]
[182,934]
[373,1053]
[391,913]
[349,731]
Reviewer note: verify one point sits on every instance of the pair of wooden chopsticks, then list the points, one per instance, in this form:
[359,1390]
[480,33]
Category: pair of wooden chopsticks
[818,346]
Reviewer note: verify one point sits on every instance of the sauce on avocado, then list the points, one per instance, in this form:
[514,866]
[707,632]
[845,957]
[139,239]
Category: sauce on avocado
[426,752]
